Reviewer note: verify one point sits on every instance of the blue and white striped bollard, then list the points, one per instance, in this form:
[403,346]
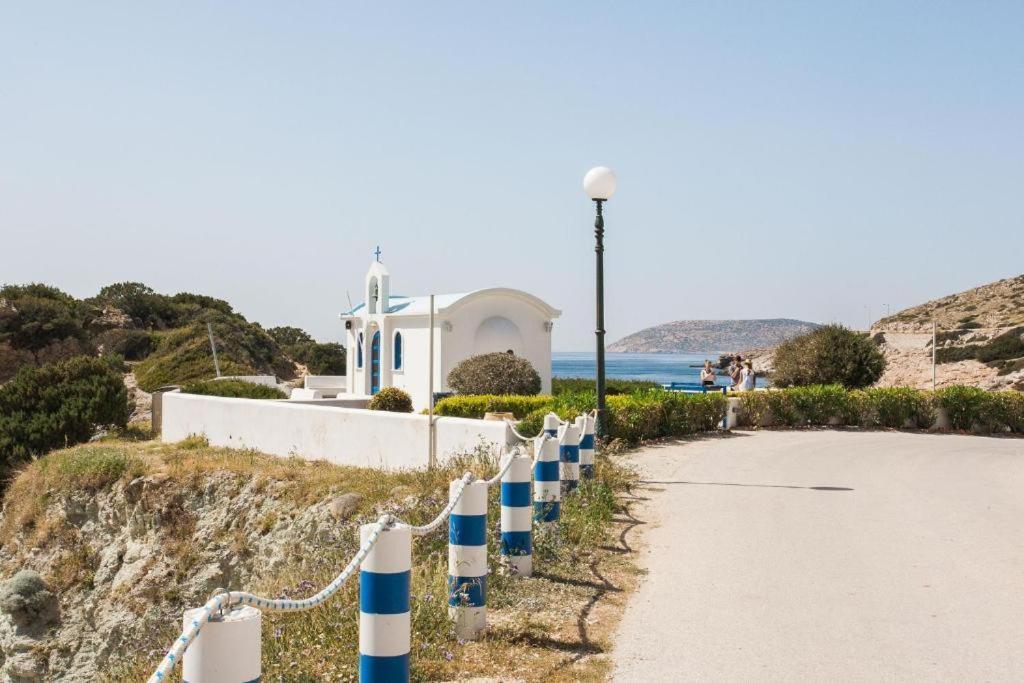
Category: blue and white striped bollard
[586,422]
[551,424]
[516,517]
[467,560]
[227,650]
[569,456]
[547,489]
[384,623]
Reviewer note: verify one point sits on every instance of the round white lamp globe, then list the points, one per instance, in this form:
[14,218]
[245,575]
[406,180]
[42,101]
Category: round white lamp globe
[599,183]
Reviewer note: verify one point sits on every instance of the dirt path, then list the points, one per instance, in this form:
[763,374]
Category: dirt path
[829,555]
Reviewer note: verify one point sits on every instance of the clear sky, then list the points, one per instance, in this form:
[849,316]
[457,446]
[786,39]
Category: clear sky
[775,159]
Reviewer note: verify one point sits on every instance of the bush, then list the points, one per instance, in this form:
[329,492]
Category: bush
[234,388]
[131,344]
[819,404]
[533,422]
[964,405]
[322,359]
[828,355]
[183,354]
[898,407]
[392,400]
[613,387]
[58,405]
[494,373]
[476,406]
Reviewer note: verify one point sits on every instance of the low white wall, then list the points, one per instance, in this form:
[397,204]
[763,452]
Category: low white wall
[336,383]
[343,436]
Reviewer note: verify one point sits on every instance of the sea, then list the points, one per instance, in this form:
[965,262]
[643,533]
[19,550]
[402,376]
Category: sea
[655,367]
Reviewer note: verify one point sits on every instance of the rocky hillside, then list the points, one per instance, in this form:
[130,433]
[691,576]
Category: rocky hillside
[998,304]
[980,339]
[102,547]
[711,336]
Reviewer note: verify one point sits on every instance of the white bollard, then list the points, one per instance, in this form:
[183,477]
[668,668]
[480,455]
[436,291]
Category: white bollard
[586,425]
[467,560]
[547,491]
[516,517]
[569,456]
[227,649]
[732,414]
[551,424]
[384,621]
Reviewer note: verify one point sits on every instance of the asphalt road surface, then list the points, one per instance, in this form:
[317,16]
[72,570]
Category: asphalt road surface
[828,556]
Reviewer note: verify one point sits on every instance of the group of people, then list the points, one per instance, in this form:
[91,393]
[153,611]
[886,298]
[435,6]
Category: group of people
[740,372]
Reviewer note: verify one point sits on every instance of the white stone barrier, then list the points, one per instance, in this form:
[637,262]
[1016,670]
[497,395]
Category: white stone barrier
[227,650]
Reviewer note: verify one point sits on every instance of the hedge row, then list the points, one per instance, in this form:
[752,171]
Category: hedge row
[234,388]
[655,413]
[633,417]
[897,407]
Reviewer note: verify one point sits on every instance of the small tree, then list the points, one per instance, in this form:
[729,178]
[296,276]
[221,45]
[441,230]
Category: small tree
[495,373]
[828,355]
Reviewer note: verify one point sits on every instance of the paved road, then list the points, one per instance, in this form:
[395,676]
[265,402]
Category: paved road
[829,556]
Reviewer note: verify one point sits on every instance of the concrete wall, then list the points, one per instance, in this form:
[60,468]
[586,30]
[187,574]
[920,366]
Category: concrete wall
[498,322]
[342,436]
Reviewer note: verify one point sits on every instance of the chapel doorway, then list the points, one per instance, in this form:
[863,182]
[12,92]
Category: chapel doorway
[375,363]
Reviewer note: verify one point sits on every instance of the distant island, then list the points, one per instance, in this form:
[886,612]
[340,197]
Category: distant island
[703,336]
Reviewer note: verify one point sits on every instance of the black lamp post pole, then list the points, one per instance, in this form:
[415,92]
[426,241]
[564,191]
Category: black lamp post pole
[599,249]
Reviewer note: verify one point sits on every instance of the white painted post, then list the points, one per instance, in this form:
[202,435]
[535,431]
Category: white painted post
[227,649]
[467,560]
[732,413]
[384,621]
[586,425]
[551,424]
[516,517]
[547,493]
[569,456]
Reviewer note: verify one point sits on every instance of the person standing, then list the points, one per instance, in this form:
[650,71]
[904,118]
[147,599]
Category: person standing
[736,371]
[707,374]
[747,377]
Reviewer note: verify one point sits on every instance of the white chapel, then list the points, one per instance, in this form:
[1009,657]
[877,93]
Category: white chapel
[388,335]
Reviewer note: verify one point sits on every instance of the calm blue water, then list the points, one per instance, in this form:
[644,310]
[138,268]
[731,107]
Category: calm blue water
[655,367]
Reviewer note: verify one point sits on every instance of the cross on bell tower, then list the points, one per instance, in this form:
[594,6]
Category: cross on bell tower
[377,253]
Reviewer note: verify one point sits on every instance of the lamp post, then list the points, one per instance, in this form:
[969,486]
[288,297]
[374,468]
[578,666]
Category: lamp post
[599,184]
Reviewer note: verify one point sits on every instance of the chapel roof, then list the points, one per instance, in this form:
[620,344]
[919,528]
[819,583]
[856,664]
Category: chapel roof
[420,305]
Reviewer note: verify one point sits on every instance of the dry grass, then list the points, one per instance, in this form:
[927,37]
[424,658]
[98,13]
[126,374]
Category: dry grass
[555,626]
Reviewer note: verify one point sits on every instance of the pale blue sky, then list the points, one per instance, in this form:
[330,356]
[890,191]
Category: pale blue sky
[775,159]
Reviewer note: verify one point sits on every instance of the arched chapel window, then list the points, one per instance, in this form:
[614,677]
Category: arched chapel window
[359,351]
[398,351]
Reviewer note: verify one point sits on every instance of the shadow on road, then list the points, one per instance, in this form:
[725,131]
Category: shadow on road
[764,486]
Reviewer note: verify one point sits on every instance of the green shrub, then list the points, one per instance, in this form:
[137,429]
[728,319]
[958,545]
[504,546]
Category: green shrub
[964,405]
[322,359]
[496,374]
[1005,347]
[234,388]
[1007,409]
[58,405]
[818,404]
[392,400]
[132,344]
[857,411]
[612,387]
[899,407]
[476,406]
[692,413]
[636,417]
[183,355]
[533,422]
[36,317]
[754,410]
[830,354]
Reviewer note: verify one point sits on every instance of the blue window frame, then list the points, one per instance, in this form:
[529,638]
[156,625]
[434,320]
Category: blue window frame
[359,351]
[398,350]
